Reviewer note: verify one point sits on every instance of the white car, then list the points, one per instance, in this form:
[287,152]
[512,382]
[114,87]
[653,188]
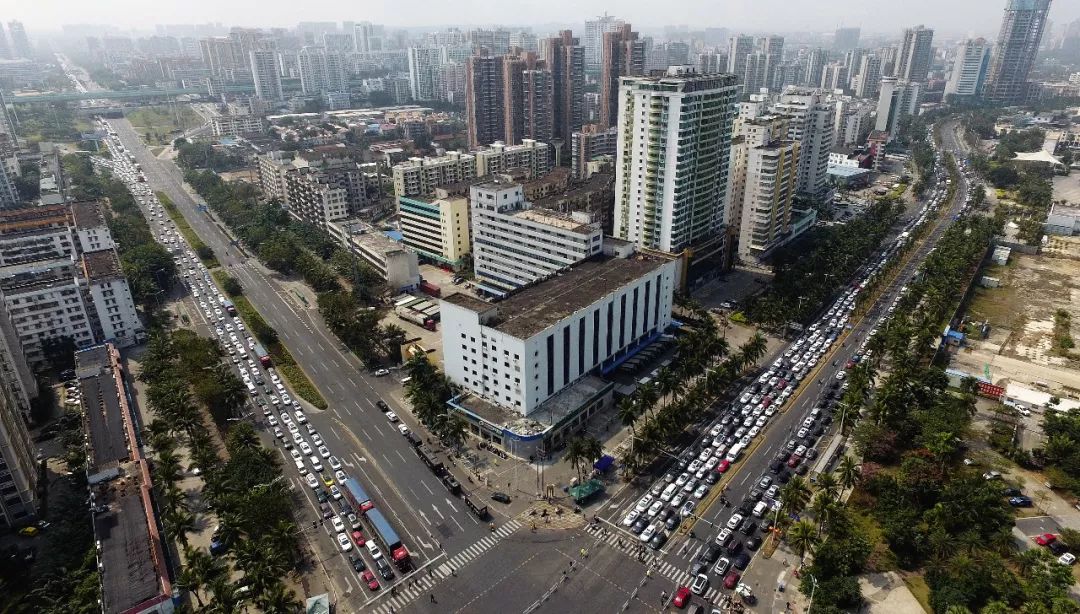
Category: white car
[391,416]
[644,503]
[305,448]
[340,476]
[344,542]
[295,455]
[404,430]
[312,481]
[335,464]
[339,526]
[631,518]
[701,491]
[734,522]
[317,439]
[324,452]
[648,533]
[655,508]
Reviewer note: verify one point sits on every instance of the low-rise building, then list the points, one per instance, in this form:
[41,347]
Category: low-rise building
[395,263]
[420,176]
[1063,220]
[236,125]
[516,244]
[312,198]
[132,566]
[529,365]
[499,158]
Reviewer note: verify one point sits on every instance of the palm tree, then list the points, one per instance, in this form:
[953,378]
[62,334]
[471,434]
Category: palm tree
[802,536]
[277,599]
[200,570]
[795,494]
[667,382]
[627,412]
[647,397]
[592,448]
[754,349]
[575,455]
[848,472]
[226,600]
[178,522]
[828,484]
[454,431]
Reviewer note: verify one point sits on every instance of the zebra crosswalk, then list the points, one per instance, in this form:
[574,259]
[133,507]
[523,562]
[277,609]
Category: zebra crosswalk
[424,580]
[632,548]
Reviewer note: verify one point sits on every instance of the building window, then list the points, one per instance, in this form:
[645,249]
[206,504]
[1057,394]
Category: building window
[566,355]
[622,321]
[610,324]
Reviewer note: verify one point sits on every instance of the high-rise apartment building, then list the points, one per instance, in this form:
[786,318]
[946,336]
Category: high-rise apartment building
[969,69]
[267,77]
[20,43]
[916,53]
[594,39]
[495,42]
[424,63]
[623,56]
[868,78]
[711,63]
[739,47]
[773,49]
[896,100]
[370,38]
[589,143]
[5,47]
[834,77]
[845,39]
[537,105]
[673,153]
[1022,29]
[811,125]
[765,169]
[19,467]
[815,65]
[450,82]
[755,74]
[484,103]
[321,71]
[565,58]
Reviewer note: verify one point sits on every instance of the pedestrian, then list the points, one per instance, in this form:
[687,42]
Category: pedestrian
[432,596]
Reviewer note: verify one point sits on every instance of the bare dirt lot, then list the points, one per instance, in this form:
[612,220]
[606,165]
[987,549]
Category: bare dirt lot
[1021,312]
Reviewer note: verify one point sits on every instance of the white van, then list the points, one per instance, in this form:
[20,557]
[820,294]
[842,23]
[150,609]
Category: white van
[252,389]
[760,508]
[669,492]
[734,453]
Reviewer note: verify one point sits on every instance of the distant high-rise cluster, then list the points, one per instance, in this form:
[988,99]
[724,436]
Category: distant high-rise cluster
[1022,30]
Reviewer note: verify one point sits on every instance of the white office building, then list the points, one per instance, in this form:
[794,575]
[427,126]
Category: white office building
[896,100]
[424,63]
[515,244]
[765,170]
[812,126]
[520,353]
[969,68]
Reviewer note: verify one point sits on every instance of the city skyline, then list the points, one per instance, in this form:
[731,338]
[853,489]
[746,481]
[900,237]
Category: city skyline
[963,17]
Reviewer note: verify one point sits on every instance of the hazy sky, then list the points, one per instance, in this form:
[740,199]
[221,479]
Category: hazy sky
[960,16]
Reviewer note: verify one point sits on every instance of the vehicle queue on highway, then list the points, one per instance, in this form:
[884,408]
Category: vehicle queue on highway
[674,498]
[336,493]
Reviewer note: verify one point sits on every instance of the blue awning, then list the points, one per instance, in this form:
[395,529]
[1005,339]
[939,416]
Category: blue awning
[604,463]
[491,290]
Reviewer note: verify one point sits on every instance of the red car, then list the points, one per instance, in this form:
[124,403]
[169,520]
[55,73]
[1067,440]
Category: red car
[731,580]
[358,537]
[723,466]
[682,597]
[1045,539]
[793,461]
[369,577]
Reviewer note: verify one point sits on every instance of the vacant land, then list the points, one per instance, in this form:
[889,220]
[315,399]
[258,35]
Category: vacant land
[160,125]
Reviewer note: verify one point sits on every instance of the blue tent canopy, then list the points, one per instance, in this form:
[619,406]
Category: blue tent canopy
[604,463]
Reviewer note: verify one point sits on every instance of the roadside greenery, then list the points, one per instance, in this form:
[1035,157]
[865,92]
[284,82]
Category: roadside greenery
[427,391]
[347,289]
[244,486]
[202,154]
[53,122]
[202,250]
[916,505]
[812,268]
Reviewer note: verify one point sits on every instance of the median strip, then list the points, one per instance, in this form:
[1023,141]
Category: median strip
[202,250]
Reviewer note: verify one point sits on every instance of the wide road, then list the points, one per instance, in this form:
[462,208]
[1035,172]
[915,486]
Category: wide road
[680,552]
[433,523]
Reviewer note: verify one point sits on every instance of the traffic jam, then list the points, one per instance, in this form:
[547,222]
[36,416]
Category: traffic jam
[340,499]
[698,469]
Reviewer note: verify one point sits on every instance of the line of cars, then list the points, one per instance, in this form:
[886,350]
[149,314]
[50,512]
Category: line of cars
[281,412]
[739,423]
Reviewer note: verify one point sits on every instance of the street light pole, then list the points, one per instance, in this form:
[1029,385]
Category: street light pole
[813,589]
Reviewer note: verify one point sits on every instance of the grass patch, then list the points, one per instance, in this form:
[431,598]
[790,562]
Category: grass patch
[1063,341]
[159,125]
[283,360]
[206,255]
[918,587]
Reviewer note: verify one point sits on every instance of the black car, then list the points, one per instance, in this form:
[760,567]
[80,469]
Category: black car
[1011,492]
[658,540]
[755,494]
[699,566]
[752,543]
[711,554]
[783,477]
[748,527]
[734,547]
[803,468]
[384,569]
[811,454]
[745,508]
[741,561]
[712,477]
[672,522]
[321,495]
[639,526]
[357,564]
[665,513]
[1058,547]
[382,405]
[501,497]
